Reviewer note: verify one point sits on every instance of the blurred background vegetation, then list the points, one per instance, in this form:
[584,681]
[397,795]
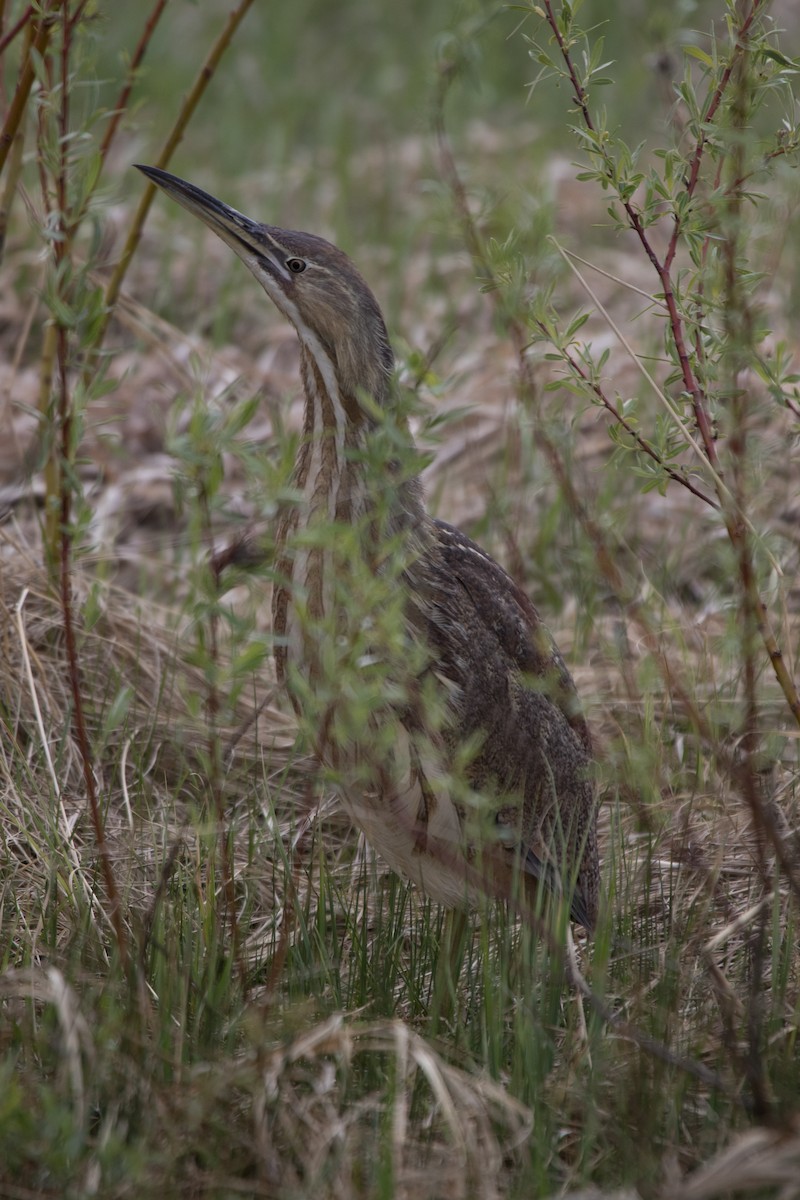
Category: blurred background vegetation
[328,79]
[316,83]
[197,1072]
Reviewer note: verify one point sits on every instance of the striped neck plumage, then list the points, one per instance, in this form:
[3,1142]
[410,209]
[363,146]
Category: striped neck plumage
[331,469]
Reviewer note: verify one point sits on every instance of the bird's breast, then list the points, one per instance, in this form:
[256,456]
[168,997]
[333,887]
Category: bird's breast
[408,816]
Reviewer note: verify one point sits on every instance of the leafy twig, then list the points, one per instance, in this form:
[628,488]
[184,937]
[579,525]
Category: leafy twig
[640,441]
[735,520]
[16,109]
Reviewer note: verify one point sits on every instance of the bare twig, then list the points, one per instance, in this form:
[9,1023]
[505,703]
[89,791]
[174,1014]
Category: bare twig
[136,61]
[8,38]
[190,103]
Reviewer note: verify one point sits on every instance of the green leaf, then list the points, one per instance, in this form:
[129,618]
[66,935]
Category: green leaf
[577,324]
[781,59]
[251,658]
[700,55]
[242,415]
[119,709]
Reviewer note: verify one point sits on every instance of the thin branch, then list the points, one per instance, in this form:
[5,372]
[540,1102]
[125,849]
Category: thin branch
[11,182]
[741,180]
[80,9]
[136,61]
[15,29]
[204,77]
[61,251]
[640,441]
[659,392]
[711,110]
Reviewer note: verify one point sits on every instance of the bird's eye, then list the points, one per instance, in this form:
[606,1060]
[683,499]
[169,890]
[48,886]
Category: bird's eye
[296,265]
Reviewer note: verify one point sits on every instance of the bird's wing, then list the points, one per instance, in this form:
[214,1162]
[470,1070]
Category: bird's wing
[510,689]
[512,620]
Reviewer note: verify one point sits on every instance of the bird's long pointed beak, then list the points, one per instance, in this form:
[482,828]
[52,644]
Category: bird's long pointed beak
[240,232]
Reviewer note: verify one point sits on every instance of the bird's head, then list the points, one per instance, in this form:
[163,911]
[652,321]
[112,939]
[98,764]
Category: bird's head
[315,286]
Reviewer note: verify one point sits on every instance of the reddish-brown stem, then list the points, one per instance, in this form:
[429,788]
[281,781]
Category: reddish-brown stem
[73,666]
[640,441]
[790,404]
[665,270]
[61,246]
[61,250]
[710,113]
[14,161]
[80,8]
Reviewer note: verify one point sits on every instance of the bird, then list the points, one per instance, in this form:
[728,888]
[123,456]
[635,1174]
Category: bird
[484,713]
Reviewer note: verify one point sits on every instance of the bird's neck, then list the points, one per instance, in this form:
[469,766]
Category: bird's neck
[340,469]
[342,476]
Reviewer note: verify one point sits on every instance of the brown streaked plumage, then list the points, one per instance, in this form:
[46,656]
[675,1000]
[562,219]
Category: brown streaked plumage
[501,682]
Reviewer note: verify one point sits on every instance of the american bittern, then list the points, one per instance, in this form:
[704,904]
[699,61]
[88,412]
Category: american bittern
[503,686]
